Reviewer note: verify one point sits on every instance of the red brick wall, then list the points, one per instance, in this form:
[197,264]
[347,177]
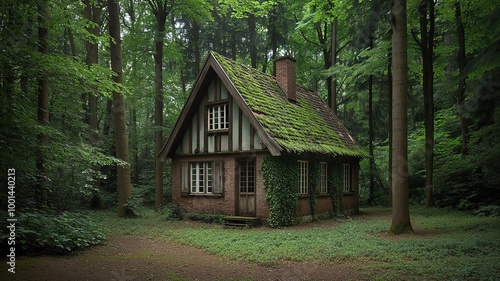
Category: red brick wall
[200,203]
[324,204]
[262,207]
[303,206]
[227,204]
[217,204]
[286,76]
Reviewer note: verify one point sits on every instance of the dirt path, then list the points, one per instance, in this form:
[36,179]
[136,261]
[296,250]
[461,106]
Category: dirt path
[134,258]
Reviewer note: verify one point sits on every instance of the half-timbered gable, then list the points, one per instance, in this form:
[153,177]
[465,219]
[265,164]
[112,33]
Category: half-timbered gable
[219,125]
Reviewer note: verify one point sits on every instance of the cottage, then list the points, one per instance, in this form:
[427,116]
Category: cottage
[235,118]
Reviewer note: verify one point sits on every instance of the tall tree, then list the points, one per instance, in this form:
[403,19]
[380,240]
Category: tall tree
[119,118]
[400,202]
[462,62]
[331,82]
[427,26]
[371,132]
[161,10]
[43,103]
[92,13]
[252,31]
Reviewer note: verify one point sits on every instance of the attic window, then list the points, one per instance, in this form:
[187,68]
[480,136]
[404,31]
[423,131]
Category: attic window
[218,117]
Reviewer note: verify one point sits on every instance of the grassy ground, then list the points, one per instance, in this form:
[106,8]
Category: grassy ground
[448,245]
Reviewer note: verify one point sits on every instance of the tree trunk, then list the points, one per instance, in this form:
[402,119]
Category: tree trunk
[234,49]
[252,40]
[135,146]
[400,203]
[462,82]
[389,77]
[371,134]
[197,53]
[108,120]
[159,8]
[72,44]
[332,85]
[93,14]
[43,105]
[426,12]
[119,118]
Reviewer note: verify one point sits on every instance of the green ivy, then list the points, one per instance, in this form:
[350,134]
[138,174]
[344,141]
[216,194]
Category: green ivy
[281,177]
[336,190]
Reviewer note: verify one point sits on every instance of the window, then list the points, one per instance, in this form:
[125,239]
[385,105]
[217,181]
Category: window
[247,176]
[201,177]
[323,177]
[346,181]
[303,177]
[218,117]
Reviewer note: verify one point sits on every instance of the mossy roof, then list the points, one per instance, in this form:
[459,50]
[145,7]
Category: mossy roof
[306,125]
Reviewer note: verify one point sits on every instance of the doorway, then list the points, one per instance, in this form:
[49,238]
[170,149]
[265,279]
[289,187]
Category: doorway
[246,187]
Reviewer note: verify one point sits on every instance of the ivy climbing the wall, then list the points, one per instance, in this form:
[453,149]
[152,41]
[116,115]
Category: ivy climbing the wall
[281,177]
[335,181]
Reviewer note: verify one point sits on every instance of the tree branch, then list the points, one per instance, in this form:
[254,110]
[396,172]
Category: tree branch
[416,39]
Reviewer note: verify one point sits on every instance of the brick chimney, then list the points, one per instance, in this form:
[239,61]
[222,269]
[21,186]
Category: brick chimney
[284,68]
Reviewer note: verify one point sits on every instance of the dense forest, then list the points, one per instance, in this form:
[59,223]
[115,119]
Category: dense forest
[90,90]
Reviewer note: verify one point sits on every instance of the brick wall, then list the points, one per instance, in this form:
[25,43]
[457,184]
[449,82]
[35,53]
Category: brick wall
[324,204]
[205,203]
[225,204]
[286,76]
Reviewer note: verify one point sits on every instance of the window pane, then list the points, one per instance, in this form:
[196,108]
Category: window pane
[346,178]
[303,177]
[209,176]
[251,176]
[218,117]
[323,178]
[243,177]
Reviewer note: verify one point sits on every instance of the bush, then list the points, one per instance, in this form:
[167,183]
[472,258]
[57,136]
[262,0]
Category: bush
[170,212]
[490,210]
[207,218]
[46,232]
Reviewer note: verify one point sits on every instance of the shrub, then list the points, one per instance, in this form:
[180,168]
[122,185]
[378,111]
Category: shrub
[170,212]
[48,232]
[490,210]
[207,218]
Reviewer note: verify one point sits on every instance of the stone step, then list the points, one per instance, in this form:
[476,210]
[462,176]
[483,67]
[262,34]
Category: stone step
[241,222]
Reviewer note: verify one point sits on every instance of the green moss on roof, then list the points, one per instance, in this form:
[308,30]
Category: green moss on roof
[304,126]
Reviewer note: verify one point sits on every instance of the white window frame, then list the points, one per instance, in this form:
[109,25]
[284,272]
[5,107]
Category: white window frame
[346,179]
[218,117]
[201,177]
[303,177]
[323,177]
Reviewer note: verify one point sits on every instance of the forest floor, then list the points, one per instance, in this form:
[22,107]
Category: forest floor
[446,245]
[134,258]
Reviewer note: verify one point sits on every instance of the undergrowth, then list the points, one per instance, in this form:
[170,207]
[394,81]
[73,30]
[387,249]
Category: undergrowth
[48,232]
